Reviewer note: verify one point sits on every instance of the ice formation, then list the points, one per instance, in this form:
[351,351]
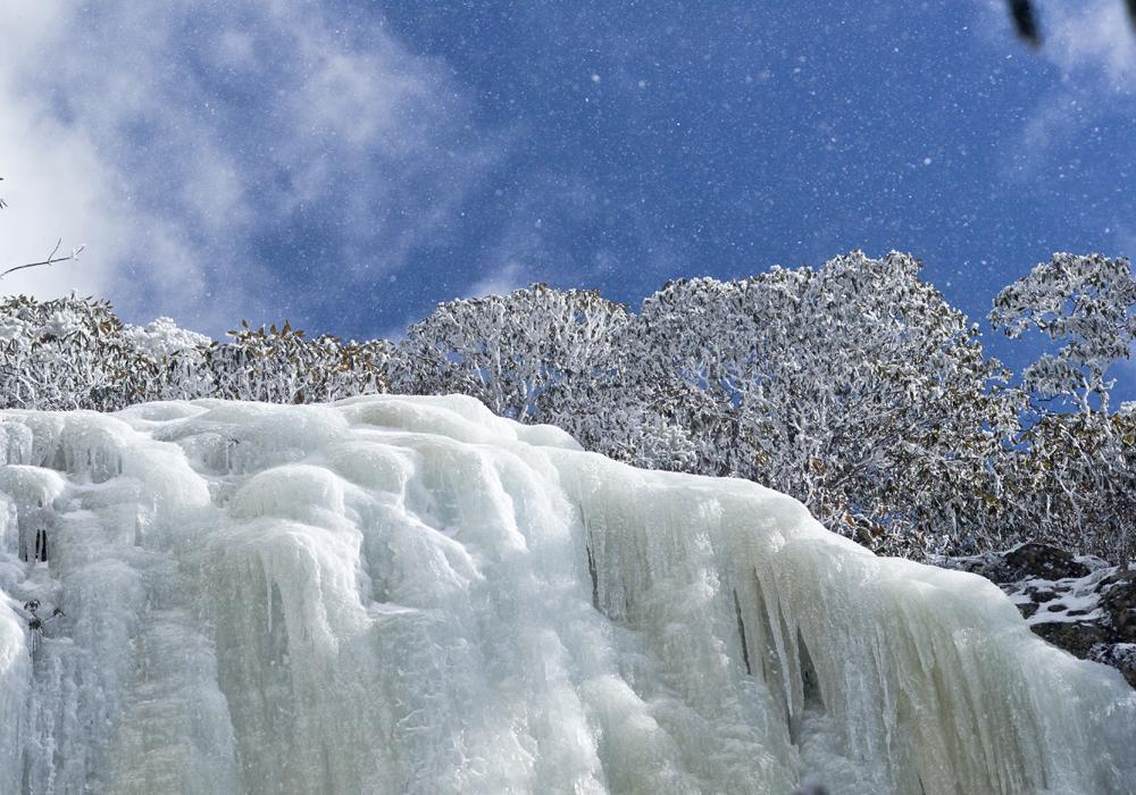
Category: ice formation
[396,594]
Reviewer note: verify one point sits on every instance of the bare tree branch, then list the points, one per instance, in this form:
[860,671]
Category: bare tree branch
[51,259]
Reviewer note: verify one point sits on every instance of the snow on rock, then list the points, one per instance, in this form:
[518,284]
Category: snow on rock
[396,594]
[1077,602]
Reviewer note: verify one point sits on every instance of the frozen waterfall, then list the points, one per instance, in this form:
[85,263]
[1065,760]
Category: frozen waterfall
[396,594]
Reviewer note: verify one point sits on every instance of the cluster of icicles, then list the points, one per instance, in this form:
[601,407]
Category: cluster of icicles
[398,594]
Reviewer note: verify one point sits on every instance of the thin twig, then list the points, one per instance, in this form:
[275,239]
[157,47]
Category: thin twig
[51,259]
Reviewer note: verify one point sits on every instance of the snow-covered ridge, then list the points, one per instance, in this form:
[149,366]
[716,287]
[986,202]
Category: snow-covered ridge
[397,594]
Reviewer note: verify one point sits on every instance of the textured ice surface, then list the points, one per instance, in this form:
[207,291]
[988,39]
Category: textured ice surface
[399,594]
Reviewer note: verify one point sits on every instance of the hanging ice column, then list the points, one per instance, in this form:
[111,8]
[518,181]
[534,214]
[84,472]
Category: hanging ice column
[410,595]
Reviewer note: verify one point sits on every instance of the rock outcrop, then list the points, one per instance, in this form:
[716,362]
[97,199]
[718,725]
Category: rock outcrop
[1079,603]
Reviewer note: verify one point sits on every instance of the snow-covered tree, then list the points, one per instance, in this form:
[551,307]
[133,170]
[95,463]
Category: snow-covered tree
[69,353]
[1074,474]
[508,350]
[853,386]
[1072,482]
[1085,302]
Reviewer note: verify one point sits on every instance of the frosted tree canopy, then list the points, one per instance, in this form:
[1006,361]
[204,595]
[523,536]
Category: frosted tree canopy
[854,387]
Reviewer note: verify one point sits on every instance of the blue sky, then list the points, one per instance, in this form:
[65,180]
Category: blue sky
[349,164]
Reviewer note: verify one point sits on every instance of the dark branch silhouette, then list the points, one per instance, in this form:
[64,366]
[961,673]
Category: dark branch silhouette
[1025,19]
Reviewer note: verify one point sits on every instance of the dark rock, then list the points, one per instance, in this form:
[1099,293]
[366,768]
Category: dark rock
[1118,600]
[1082,605]
[1028,561]
[1040,561]
[1076,637]
[1121,656]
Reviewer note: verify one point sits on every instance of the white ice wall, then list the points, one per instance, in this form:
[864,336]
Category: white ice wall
[401,594]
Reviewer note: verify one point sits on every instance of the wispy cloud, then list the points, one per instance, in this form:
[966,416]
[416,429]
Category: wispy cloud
[1087,61]
[193,148]
[1093,40]
[1090,42]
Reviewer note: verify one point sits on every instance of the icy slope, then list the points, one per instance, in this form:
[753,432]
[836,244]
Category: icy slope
[400,595]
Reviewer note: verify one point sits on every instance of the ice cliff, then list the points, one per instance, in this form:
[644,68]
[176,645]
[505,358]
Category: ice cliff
[396,594]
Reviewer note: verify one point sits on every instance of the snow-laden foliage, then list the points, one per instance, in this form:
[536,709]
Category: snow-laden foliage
[1073,482]
[162,337]
[1088,303]
[509,350]
[1077,481]
[853,386]
[70,353]
[74,353]
[282,366]
[394,594]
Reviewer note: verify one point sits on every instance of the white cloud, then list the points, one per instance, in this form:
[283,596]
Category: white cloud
[1088,55]
[1090,42]
[1094,40]
[182,142]
[53,175]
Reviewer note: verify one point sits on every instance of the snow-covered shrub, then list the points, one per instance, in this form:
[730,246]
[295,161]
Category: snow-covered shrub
[69,353]
[75,353]
[283,366]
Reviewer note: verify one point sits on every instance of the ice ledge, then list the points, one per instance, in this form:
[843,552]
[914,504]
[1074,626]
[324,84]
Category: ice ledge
[395,594]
